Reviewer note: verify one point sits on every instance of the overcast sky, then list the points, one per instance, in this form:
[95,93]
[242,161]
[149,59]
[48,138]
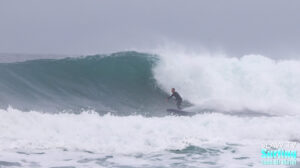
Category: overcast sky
[237,27]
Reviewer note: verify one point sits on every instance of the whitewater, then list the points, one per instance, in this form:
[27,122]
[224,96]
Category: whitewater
[109,110]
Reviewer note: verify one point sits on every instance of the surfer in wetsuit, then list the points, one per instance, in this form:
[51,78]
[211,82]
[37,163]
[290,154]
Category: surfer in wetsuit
[177,98]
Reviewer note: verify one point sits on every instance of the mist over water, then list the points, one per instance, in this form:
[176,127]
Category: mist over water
[251,82]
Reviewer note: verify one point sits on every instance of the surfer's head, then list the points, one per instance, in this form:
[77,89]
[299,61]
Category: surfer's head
[173,90]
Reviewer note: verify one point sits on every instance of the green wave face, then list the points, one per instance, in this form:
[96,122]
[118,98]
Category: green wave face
[121,83]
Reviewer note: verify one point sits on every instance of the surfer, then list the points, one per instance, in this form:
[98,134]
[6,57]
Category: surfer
[177,98]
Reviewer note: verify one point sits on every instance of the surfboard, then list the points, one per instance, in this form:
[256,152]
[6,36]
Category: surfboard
[180,112]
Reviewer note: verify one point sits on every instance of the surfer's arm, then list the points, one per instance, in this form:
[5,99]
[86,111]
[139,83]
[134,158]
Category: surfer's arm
[170,96]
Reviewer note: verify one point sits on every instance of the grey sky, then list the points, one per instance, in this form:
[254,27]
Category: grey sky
[269,27]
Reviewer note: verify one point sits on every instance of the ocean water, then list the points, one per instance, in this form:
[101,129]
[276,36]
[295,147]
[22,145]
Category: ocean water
[110,111]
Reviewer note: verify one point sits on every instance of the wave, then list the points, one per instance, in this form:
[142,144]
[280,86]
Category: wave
[137,83]
[81,90]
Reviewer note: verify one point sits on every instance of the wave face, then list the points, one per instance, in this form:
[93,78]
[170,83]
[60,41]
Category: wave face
[120,82]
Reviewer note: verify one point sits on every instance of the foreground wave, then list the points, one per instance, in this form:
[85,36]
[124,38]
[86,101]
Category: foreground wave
[90,131]
[114,141]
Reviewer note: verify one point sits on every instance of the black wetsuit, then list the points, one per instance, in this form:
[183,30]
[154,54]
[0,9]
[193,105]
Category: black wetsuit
[178,99]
